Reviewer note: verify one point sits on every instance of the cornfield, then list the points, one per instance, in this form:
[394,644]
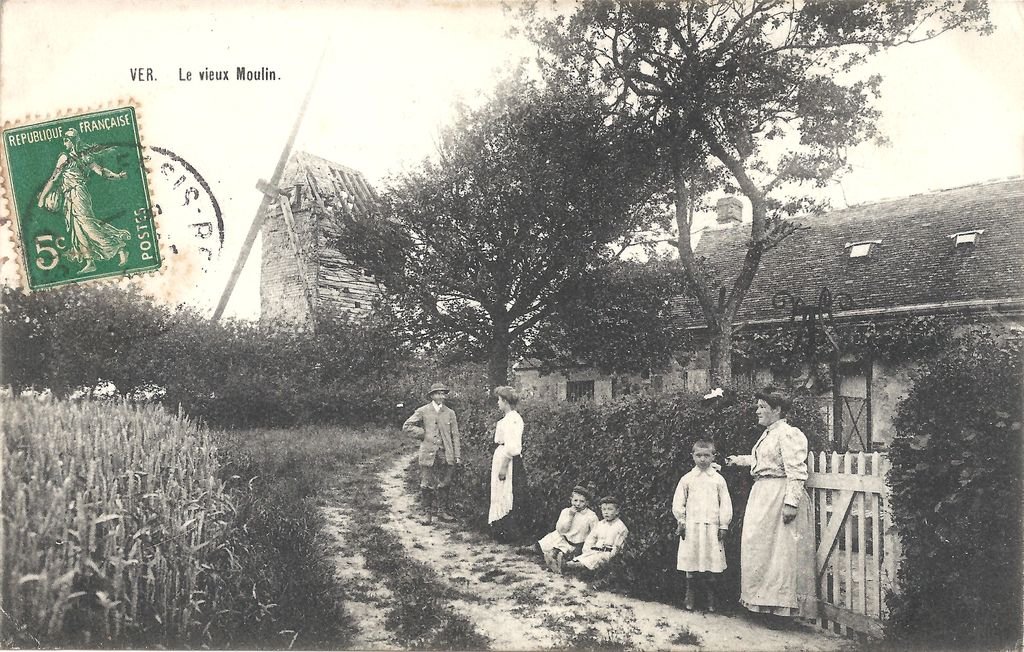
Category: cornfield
[112,514]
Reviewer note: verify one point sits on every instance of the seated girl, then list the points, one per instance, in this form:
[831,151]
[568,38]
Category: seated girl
[571,530]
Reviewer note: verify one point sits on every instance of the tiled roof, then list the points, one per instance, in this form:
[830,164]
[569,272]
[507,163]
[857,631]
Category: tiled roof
[915,264]
[334,184]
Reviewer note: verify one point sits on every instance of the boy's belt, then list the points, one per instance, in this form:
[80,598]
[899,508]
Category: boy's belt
[602,548]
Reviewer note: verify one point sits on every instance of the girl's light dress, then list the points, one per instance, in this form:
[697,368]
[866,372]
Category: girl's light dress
[702,502]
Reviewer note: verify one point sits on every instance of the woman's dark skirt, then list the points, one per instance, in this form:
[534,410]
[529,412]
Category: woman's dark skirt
[514,526]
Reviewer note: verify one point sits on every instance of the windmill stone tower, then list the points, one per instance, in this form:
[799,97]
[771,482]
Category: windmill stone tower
[304,279]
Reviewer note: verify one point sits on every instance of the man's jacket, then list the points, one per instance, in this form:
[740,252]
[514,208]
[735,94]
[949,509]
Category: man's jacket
[439,428]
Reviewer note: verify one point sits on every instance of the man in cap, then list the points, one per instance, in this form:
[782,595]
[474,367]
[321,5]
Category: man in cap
[440,451]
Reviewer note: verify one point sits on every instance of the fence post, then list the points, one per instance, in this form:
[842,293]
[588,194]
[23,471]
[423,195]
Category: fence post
[891,545]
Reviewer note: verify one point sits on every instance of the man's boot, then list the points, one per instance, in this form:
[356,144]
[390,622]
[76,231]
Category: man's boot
[444,495]
[427,505]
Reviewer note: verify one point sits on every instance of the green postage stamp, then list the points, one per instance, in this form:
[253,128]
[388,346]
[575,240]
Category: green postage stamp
[79,196]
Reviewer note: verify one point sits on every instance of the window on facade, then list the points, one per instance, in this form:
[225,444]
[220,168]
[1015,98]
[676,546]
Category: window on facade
[579,390]
[851,407]
[860,249]
[358,305]
[966,237]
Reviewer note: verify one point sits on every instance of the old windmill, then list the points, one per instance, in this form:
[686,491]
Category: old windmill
[304,280]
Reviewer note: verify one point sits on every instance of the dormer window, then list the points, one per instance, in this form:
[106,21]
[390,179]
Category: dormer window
[966,237]
[860,249]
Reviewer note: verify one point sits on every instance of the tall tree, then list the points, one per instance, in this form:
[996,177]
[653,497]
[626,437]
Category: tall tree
[527,195]
[762,96]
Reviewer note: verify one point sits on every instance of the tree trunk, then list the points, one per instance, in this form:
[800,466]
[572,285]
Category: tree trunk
[497,359]
[720,347]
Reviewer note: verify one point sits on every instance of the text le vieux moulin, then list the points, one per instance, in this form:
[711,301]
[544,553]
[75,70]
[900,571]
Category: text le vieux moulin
[241,73]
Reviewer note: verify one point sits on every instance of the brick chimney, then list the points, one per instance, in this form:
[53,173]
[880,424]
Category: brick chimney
[730,211]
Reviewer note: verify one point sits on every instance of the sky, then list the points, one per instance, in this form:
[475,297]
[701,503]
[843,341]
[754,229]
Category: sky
[953,108]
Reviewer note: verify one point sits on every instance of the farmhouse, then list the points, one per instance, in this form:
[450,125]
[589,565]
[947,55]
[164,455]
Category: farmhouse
[304,279]
[949,259]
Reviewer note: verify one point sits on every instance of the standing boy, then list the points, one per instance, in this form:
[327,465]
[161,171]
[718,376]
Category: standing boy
[440,451]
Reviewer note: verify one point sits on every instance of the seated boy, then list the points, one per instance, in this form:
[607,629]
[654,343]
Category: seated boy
[605,539]
[571,529]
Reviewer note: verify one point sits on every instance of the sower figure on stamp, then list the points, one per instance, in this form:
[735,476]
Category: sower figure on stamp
[90,238]
[440,452]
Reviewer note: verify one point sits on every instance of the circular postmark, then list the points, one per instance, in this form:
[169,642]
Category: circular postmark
[191,223]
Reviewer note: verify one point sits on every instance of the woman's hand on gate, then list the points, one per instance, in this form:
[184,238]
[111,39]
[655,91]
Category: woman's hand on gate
[788,513]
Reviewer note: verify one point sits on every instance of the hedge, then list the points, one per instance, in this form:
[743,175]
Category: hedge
[637,447]
[229,374]
[956,480]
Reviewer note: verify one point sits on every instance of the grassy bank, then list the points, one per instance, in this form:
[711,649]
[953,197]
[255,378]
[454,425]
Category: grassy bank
[280,476]
[304,466]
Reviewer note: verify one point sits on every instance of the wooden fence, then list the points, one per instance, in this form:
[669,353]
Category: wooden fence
[857,546]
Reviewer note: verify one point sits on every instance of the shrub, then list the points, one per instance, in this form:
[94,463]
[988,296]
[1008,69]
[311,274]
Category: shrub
[956,481]
[637,447]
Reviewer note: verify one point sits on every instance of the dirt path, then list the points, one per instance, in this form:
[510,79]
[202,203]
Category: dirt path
[366,597]
[521,605]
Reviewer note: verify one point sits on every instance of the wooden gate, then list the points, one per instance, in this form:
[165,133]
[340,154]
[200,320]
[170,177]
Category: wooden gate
[857,546]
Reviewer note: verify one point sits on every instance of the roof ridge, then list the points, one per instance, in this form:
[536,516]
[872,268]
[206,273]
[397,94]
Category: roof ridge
[930,193]
[331,164]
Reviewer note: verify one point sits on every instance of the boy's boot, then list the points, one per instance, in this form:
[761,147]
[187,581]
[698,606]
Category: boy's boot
[444,495]
[710,586]
[427,504]
[691,593]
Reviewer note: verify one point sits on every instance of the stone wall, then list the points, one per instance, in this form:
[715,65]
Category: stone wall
[282,299]
[321,194]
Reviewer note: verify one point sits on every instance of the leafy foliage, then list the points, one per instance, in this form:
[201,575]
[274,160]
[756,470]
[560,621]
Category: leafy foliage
[620,319]
[637,447]
[523,200]
[760,97]
[233,373]
[956,479]
[787,347]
